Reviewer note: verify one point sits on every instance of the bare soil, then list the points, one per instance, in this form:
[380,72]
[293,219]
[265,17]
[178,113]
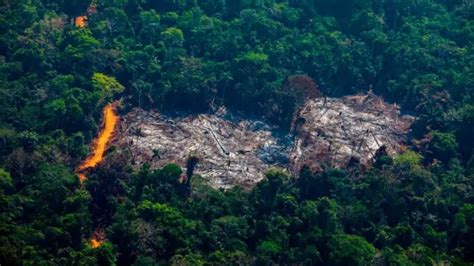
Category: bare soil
[328,132]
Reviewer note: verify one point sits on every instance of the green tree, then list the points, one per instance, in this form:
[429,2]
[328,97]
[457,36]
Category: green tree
[107,86]
[443,146]
[350,250]
[173,39]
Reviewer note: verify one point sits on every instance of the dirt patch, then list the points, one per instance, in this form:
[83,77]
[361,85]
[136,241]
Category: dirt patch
[333,132]
[231,152]
[327,132]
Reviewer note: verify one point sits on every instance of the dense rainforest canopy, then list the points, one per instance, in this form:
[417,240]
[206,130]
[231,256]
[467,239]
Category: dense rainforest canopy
[58,72]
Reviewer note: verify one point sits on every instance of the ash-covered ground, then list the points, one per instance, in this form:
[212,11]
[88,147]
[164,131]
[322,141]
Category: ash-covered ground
[332,132]
[327,132]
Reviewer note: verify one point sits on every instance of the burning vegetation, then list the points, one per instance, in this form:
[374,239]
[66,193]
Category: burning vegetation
[110,119]
[81,21]
[98,238]
[109,122]
[327,132]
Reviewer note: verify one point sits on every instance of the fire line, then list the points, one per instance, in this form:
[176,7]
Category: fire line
[110,119]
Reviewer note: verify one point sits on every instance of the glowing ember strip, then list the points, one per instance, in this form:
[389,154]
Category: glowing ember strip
[100,144]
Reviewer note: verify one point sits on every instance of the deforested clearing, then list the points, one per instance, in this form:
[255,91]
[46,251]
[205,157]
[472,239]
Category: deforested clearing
[327,132]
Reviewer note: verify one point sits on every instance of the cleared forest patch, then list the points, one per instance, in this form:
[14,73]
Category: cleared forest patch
[328,132]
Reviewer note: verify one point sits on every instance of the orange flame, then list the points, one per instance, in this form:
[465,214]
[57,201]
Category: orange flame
[80,21]
[98,238]
[100,144]
[95,243]
[82,177]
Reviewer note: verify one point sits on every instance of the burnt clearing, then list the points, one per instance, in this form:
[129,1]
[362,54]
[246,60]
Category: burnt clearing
[327,132]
